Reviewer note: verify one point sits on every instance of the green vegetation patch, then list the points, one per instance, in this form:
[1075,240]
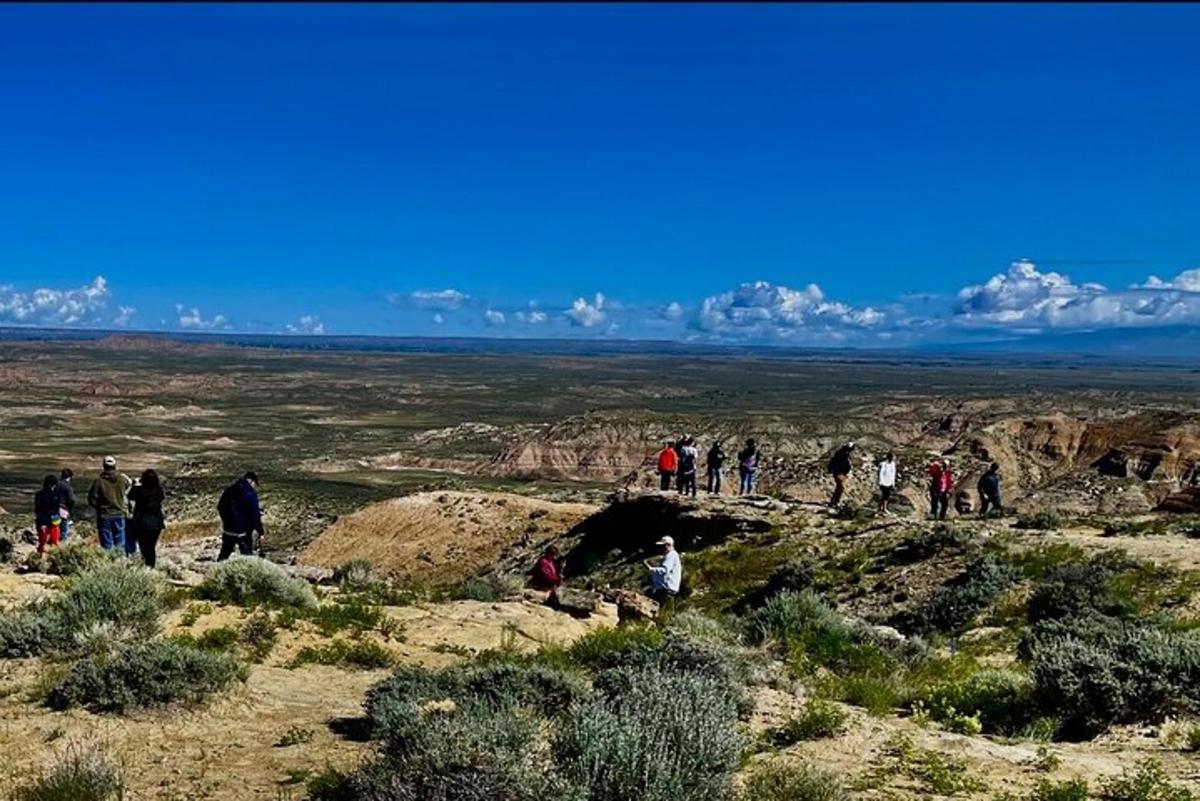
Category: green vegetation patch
[250,581]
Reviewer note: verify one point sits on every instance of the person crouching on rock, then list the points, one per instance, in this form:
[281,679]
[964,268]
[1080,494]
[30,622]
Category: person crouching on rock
[45,513]
[666,576]
[989,491]
[668,463]
[547,572]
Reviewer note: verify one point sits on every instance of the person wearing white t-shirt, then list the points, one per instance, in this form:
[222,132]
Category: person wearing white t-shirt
[665,577]
[887,481]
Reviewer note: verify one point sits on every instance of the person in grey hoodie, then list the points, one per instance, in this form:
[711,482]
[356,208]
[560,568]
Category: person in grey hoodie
[109,496]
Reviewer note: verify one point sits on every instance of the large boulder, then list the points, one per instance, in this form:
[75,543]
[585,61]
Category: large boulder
[577,603]
[632,605]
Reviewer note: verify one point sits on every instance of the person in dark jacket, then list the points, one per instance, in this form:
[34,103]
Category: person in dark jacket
[840,467]
[241,516]
[147,520]
[748,458]
[989,491]
[66,502]
[715,462]
[45,513]
[548,572]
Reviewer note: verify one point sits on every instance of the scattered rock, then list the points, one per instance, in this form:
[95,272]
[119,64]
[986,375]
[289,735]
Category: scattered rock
[632,605]
[577,603]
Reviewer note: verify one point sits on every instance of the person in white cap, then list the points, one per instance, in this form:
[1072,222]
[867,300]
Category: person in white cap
[109,496]
[665,577]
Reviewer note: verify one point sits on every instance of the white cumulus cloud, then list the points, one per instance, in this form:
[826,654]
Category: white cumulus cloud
[124,316]
[1025,298]
[438,319]
[672,311]
[493,317]
[44,306]
[192,319]
[534,316]
[441,299]
[586,314]
[308,324]
[762,310]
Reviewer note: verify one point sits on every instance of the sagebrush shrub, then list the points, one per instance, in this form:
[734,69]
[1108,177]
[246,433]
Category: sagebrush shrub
[780,782]
[80,773]
[1119,673]
[251,580]
[794,614]
[144,675]
[953,605]
[364,654]
[357,574]
[125,598]
[652,735]
[610,647]
[1069,790]
[471,753]
[1040,521]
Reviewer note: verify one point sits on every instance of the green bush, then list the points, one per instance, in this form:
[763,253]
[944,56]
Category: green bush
[928,544]
[144,675]
[80,773]
[26,632]
[1097,675]
[795,575]
[818,719]
[251,580]
[1002,700]
[792,615]
[1146,782]
[1069,790]
[490,588]
[74,558]
[778,782]
[1079,588]
[956,603]
[610,647]
[365,654]
[1039,521]
[258,635]
[652,736]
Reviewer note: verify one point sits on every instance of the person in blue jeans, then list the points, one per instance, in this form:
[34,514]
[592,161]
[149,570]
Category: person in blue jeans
[747,467]
[109,496]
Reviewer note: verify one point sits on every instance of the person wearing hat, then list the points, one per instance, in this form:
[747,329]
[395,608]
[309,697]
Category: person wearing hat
[666,576]
[109,496]
[840,467]
[241,516]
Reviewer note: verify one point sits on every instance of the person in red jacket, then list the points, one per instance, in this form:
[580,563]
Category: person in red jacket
[547,573]
[668,463]
[945,487]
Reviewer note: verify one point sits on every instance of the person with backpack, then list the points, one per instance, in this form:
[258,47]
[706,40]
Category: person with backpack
[687,467]
[45,513]
[989,491]
[887,481]
[241,516]
[840,467]
[715,462]
[747,467]
[66,503]
[147,521]
[109,496]
[668,463]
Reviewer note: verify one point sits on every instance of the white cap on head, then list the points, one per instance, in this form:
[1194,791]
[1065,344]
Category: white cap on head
[666,541]
[110,461]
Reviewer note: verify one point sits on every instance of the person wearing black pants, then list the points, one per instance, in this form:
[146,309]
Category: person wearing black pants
[241,516]
[147,521]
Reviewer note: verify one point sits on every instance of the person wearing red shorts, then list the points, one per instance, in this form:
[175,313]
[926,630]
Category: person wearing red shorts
[46,514]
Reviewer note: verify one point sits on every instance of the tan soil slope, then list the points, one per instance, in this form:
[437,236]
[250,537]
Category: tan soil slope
[441,537]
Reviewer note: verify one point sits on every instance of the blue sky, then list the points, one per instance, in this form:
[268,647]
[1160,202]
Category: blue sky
[663,171]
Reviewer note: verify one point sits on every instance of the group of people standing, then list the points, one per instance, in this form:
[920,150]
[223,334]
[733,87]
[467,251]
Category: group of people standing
[129,512]
[940,474]
[677,463]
